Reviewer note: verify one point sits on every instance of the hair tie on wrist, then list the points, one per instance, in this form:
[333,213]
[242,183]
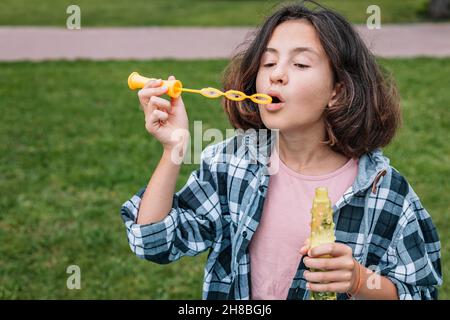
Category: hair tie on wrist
[358,285]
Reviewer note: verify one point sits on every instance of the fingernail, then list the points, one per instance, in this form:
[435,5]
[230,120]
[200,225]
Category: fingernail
[308,286]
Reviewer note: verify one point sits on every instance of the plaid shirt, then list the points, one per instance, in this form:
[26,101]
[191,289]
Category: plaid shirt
[380,217]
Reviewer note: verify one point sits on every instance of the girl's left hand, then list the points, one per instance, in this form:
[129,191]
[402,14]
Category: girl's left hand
[338,273]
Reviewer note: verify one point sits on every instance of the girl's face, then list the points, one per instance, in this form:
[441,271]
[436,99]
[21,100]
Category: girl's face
[295,68]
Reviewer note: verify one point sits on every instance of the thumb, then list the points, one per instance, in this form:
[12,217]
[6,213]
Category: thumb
[176,102]
[305,248]
[307,242]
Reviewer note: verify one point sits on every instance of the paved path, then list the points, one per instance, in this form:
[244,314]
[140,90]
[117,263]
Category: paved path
[49,43]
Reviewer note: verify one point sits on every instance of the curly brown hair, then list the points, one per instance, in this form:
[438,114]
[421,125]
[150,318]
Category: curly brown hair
[367,112]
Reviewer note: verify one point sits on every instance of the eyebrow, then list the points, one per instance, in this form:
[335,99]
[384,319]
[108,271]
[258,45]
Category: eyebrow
[295,50]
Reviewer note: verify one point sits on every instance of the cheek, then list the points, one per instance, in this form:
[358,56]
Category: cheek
[260,81]
[313,92]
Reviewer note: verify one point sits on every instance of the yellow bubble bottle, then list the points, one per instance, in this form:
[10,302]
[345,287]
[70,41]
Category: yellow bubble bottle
[175,88]
[322,231]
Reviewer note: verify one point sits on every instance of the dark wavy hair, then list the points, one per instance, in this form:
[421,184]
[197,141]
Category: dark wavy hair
[367,112]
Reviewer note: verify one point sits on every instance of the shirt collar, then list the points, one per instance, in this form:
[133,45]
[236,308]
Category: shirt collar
[256,147]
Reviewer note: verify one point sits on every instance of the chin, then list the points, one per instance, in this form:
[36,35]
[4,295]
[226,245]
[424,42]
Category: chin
[288,122]
[272,123]
[284,126]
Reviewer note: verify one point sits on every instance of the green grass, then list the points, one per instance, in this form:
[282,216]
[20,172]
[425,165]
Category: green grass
[73,148]
[188,13]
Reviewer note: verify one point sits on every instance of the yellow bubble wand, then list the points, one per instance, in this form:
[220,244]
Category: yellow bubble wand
[322,231]
[175,88]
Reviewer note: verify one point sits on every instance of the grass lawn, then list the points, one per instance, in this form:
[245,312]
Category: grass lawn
[73,148]
[188,13]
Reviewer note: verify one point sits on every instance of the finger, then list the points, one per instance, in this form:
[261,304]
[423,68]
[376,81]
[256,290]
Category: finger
[333,249]
[305,248]
[156,116]
[145,94]
[340,263]
[159,103]
[340,287]
[328,276]
[153,83]
[176,102]
[152,91]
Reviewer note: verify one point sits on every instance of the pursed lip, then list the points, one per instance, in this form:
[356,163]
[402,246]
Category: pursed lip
[274,93]
[275,105]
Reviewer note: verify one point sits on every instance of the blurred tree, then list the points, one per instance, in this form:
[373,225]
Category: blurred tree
[439,9]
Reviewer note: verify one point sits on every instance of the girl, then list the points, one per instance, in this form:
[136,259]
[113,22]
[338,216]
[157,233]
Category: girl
[331,113]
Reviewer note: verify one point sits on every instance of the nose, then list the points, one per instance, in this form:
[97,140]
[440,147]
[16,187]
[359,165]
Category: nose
[278,75]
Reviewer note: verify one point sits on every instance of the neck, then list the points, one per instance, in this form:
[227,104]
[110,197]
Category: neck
[304,151]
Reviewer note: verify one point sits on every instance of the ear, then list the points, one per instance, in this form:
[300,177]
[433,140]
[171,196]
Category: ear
[335,94]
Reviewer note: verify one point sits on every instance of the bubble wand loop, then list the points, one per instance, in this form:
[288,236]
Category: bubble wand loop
[175,88]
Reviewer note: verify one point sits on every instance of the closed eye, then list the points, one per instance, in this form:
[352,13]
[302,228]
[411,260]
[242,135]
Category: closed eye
[301,66]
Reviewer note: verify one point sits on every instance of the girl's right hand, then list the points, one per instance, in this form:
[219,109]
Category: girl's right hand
[166,120]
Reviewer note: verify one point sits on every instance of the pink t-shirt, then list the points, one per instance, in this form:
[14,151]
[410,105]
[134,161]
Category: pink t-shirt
[285,225]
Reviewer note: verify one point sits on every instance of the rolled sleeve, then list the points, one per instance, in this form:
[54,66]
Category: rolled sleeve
[191,226]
